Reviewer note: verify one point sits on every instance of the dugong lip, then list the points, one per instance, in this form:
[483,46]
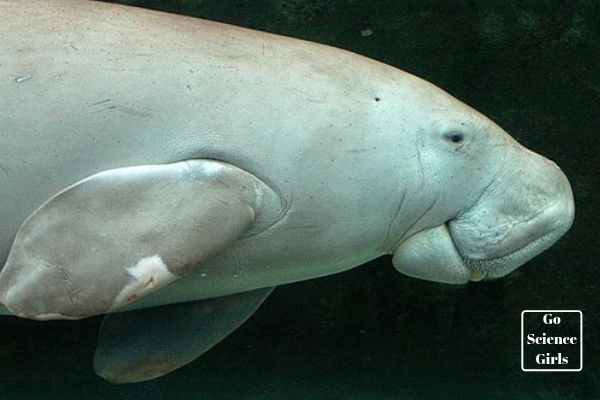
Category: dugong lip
[479,240]
[433,254]
[497,267]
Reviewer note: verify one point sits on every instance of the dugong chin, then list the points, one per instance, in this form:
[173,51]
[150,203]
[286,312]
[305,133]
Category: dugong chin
[149,159]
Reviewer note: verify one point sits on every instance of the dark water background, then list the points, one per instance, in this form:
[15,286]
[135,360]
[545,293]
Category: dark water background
[533,67]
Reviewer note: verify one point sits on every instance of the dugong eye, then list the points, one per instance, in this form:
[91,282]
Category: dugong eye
[454,137]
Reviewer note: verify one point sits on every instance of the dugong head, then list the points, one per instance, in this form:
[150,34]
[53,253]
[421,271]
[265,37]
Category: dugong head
[485,203]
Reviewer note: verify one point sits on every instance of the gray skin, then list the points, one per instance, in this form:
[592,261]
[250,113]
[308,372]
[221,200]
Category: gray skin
[330,159]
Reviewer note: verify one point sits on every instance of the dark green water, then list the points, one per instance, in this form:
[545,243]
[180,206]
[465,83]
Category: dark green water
[533,67]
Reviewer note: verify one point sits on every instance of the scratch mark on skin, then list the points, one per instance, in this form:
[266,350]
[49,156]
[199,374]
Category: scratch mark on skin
[132,111]
[308,96]
[23,78]
[104,109]
[64,274]
[149,283]
[99,102]
[396,215]
[304,227]
[483,192]
[66,278]
[238,261]
[419,158]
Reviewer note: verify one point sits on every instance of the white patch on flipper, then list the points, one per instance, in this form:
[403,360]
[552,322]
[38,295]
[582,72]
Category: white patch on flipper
[149,274]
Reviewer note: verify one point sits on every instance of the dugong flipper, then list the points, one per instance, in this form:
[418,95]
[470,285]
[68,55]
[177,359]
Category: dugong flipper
[120,234]
[145,344]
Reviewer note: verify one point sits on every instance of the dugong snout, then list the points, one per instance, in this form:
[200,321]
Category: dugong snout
[526,208]
[522,212]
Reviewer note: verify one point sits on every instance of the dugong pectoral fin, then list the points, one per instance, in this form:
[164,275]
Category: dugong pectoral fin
[431,255]
[144,344]
[120,234]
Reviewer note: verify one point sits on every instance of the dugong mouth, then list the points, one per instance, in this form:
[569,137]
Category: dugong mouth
[492,251]
[505,227]
[497,267]
[434,255]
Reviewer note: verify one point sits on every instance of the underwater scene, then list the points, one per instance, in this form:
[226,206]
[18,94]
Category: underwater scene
[371,332]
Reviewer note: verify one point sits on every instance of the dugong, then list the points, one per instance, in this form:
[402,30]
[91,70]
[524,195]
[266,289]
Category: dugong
[170,172]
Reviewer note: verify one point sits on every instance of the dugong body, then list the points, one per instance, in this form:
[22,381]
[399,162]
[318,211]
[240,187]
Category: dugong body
[142,151]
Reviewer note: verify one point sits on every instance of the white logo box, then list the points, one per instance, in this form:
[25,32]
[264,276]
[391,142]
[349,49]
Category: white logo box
[552,369]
